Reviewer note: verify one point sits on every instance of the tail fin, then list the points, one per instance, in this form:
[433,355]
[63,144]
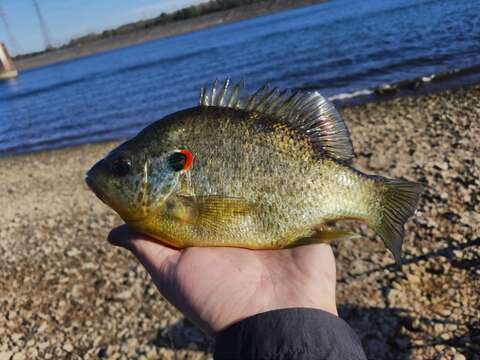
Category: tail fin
[398,204]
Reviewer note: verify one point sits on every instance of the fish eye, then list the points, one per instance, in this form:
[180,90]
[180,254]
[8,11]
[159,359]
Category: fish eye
[177,161]
[121,166]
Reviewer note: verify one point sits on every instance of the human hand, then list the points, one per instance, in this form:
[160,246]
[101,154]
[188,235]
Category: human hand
[216,287]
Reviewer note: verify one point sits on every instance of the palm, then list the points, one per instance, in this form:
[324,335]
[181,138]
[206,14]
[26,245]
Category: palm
[215,287]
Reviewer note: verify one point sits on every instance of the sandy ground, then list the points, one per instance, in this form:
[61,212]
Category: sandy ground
[179,27]
[65,293]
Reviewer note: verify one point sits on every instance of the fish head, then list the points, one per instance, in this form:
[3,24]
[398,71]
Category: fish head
[135,180]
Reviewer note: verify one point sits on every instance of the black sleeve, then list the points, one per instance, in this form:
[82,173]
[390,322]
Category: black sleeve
[296,333]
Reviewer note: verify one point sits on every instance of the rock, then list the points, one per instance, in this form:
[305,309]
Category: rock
[413,279]
[445,336]
[442,165]
[68,347]
[73,252]
[441,310]
[438,328]
[459,356]
[6,355]
[42,346]
[124,295]
[19,356]
[16,337]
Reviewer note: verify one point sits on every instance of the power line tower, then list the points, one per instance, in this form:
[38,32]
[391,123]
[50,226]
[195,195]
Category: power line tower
[43,26]
[11,38]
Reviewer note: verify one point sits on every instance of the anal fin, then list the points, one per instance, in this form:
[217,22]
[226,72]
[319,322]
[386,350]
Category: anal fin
[323,237]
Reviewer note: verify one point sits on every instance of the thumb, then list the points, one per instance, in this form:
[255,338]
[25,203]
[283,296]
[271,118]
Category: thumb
[150,253]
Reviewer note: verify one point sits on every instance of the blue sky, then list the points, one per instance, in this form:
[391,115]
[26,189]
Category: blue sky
[67,19]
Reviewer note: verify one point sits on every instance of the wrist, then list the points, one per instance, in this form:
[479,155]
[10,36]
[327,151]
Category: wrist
[320,297]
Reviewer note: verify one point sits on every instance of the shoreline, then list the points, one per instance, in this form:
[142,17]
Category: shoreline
[90,298]
[418,86]
[435,84]
[162,31]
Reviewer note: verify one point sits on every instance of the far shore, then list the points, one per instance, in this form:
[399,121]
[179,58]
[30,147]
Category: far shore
[171,29]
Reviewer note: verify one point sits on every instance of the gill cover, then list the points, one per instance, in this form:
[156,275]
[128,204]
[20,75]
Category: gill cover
[161,176]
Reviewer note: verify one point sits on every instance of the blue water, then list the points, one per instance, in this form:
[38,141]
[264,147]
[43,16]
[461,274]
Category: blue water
[336,47]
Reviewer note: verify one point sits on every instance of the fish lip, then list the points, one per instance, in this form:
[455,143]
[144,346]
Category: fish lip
[89,180]
[91,175]
[95,189]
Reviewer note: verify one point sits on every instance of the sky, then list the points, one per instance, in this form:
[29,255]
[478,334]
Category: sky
[67,19]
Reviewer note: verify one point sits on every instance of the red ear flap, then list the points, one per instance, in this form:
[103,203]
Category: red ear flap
[189,161]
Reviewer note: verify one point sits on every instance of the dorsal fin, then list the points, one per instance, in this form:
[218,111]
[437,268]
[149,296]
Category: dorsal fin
[308,112]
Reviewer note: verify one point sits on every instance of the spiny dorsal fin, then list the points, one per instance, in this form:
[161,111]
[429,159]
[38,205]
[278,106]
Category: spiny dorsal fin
[308,112]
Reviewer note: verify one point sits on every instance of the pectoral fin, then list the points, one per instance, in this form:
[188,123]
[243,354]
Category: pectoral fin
[219,211]
[214,211]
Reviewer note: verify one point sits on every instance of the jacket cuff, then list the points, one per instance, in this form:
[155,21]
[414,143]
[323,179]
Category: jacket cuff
[294,333]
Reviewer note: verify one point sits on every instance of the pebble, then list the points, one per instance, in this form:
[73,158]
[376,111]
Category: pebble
[414,279]
[19,356]
[68,347]
[6,355]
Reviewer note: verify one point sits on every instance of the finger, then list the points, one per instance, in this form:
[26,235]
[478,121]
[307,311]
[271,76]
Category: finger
[150,253]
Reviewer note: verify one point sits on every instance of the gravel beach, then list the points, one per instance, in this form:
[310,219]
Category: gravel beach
[66,293]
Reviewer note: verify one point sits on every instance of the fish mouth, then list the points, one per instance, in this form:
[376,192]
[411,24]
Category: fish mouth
[89,179]
[90,183]
[94,181]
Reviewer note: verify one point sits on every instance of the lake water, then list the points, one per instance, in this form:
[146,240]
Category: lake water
[338,47]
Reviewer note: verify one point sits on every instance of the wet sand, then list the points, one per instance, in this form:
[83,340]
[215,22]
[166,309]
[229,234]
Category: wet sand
[65,293]
[175,28]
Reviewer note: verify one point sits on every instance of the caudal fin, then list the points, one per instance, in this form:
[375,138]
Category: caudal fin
[398,204]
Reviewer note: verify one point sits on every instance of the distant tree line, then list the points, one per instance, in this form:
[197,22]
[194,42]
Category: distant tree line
[164,18]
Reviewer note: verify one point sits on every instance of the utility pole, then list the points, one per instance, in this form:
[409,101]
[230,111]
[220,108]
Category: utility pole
[43,26]
[11,38]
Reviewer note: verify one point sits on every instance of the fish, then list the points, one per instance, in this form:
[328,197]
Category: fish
[269,169]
